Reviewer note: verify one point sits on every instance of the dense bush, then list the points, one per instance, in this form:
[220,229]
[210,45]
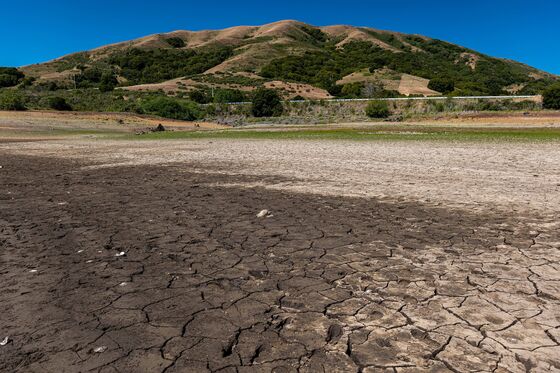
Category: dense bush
[329,64]
[352,90]
[108,82]
[88,77]
[11,100]
[378,109]
[551,97]
[228,95]
[27,81]
[168,107]
[199,96]
[377,62]
[141,66]
[175,42]
[10,76]
[266,103]
[442,85]
[59,103]
[536,87]
[315,33]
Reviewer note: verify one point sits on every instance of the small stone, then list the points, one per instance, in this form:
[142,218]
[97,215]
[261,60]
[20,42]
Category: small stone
[334,333]
[5,341]
[100,349]
[263,214]
[122,253]
[33,271]
[123,284]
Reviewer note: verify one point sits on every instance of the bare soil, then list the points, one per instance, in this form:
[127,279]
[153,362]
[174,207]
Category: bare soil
[376,257]
[39,121]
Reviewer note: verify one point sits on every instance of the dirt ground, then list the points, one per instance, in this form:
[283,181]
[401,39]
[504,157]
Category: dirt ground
[148,256]
[30,122]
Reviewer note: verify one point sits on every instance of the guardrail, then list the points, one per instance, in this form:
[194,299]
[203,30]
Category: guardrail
[406,99]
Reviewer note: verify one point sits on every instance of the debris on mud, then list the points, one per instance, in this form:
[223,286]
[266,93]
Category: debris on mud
[32,271]
[158,128]
[264,214]
[100,349]
[5,341]
[334,333]
[122,253]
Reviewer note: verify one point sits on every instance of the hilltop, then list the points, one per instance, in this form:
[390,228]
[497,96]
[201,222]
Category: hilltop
[298,59]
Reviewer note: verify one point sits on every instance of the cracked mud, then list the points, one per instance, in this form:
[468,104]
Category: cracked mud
[155,269]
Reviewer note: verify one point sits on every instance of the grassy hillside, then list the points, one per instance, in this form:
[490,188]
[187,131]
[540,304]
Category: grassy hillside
[289,51]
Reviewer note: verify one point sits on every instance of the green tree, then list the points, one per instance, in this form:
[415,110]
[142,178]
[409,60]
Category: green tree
[551,97]
[442,85]
[222,96]
[266,103]
[378,109]
[335,90]
[59,103]
[352,90]
[175,42]
[377,62]
[13,101]
[10,76]
[199,96]
[168,107]
[108,82]
[27,81]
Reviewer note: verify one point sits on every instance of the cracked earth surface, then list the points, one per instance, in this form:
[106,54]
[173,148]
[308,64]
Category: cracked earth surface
[154,268]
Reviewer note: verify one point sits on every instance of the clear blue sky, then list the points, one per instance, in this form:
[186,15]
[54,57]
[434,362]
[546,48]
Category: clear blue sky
[524,30]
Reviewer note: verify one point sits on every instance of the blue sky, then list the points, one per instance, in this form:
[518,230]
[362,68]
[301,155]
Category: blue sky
[527,31]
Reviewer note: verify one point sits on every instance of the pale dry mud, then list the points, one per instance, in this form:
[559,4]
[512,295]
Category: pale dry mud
[333,281]
[476,175]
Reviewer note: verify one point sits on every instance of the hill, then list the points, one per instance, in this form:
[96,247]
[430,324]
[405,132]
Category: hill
[295,58]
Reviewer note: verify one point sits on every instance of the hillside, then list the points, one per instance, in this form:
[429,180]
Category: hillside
[295,58]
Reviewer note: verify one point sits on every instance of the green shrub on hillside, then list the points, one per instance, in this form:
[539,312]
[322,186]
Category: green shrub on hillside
[199,96]
[324,67]
[442,85]
[141,66]
[377,62]
[168,107]
[175,42]
[108,82]
[59,103]
[266,103]
[352,90]
[12,100]
[378,109]
[10,76]
[551,97]
[222,96]
[315,33]
[88,77]
[27,81]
